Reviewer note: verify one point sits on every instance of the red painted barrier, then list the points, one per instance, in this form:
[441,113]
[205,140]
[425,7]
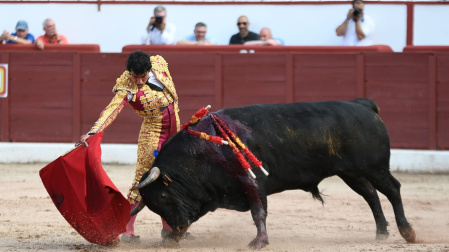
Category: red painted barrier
[52,48]
[425,49]
[57,96]
[255,49]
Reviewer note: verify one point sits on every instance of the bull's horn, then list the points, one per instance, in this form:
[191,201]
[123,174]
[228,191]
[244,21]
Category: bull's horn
[154,174]
[138,208]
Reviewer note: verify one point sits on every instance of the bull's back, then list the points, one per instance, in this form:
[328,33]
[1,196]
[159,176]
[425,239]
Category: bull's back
[314,138]
[298,120]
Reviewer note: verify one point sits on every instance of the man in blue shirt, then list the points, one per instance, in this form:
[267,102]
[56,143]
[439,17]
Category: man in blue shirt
[198,37]
[21,36]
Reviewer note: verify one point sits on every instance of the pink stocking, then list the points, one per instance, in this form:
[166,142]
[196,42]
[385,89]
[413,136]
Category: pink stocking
[165,225]
[130,226]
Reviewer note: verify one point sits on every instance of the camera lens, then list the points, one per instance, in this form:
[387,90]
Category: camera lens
[158,20]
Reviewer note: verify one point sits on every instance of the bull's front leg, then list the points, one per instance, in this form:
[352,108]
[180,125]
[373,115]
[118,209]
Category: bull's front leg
[259,217]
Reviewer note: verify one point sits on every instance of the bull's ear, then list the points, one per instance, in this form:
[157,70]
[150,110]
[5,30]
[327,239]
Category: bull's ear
[166,179]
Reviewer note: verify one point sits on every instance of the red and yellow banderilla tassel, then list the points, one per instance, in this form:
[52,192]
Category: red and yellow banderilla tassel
[197,116]
[228,139]
[234,148]
[215,139]
[226,132]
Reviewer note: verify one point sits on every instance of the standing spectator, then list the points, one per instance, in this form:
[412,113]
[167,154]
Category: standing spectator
[266,38]
[198,37]
[244,34]
[21,36]
[51,36]
[159,32]
[358,28]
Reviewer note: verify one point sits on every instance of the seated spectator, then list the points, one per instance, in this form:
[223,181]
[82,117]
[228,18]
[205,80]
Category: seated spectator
[244,34]
[159,32]
[266,38]
[358,28]
[21,36]
[51,36]
[198,37]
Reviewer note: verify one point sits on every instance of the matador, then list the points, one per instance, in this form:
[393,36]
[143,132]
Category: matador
[148,87]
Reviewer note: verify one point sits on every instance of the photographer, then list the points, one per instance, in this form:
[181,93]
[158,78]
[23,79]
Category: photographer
[358,28]
[159,32]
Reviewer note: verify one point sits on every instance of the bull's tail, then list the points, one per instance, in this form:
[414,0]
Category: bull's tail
[367,103]
[316,194]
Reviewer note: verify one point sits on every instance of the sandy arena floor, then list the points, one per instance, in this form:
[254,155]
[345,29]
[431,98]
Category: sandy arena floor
[30,222]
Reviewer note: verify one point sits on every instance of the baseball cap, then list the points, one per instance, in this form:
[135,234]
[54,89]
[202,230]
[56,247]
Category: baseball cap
[21,25]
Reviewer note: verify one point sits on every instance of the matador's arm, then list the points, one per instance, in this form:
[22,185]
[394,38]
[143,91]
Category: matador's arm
[111,111]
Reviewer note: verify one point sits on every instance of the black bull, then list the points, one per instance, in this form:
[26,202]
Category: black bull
[300,144]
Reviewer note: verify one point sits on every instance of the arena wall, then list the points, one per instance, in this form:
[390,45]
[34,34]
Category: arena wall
[56,96]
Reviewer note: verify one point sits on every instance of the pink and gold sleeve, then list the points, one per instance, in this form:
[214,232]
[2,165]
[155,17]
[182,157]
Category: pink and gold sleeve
[111,111]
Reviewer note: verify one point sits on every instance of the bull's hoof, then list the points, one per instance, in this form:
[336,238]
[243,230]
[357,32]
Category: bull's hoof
[382,236]
[408,234]
[258,243]
[382,232]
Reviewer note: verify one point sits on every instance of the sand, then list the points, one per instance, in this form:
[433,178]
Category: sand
[29,221]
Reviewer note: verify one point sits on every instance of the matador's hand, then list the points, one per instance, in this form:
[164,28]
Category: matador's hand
[83,140]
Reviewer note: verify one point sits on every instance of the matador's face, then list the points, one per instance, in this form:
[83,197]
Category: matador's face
[140,79]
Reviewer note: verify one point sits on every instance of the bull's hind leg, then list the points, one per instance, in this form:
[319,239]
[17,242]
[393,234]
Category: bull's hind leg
[365,189]
[390,187]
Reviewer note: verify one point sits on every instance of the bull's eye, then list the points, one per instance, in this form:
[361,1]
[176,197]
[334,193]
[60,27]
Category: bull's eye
[163,196]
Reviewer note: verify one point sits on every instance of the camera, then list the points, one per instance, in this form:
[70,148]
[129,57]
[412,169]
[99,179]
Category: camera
[357,12]
[158,20]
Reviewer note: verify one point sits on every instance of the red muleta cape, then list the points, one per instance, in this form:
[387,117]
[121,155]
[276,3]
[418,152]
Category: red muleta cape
[84,194]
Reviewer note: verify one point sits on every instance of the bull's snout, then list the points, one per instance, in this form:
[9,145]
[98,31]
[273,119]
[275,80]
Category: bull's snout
[179,231]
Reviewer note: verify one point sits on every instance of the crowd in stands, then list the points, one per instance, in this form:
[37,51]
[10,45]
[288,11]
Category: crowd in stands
[356,30]
[22,36]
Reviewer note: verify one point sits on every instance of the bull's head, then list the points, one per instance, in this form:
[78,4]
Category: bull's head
[190,176]
[165,198]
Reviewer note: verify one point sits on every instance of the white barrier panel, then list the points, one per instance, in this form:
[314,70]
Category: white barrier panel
[401,160]
[47,152]
[419,161]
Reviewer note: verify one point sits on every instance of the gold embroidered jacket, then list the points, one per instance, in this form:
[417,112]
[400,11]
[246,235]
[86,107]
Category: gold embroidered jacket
[146,102]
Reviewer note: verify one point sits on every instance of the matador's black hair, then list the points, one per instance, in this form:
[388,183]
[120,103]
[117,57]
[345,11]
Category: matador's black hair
[138,62]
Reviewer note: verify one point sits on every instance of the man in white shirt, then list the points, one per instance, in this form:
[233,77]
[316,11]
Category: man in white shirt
[357,29]
[159,32]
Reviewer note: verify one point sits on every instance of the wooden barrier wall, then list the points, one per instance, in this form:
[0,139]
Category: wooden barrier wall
[57,96]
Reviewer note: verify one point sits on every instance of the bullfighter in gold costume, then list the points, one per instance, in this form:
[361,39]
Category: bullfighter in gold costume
[148,87]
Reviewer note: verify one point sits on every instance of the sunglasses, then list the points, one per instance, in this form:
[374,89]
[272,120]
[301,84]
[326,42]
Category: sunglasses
[242,23]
